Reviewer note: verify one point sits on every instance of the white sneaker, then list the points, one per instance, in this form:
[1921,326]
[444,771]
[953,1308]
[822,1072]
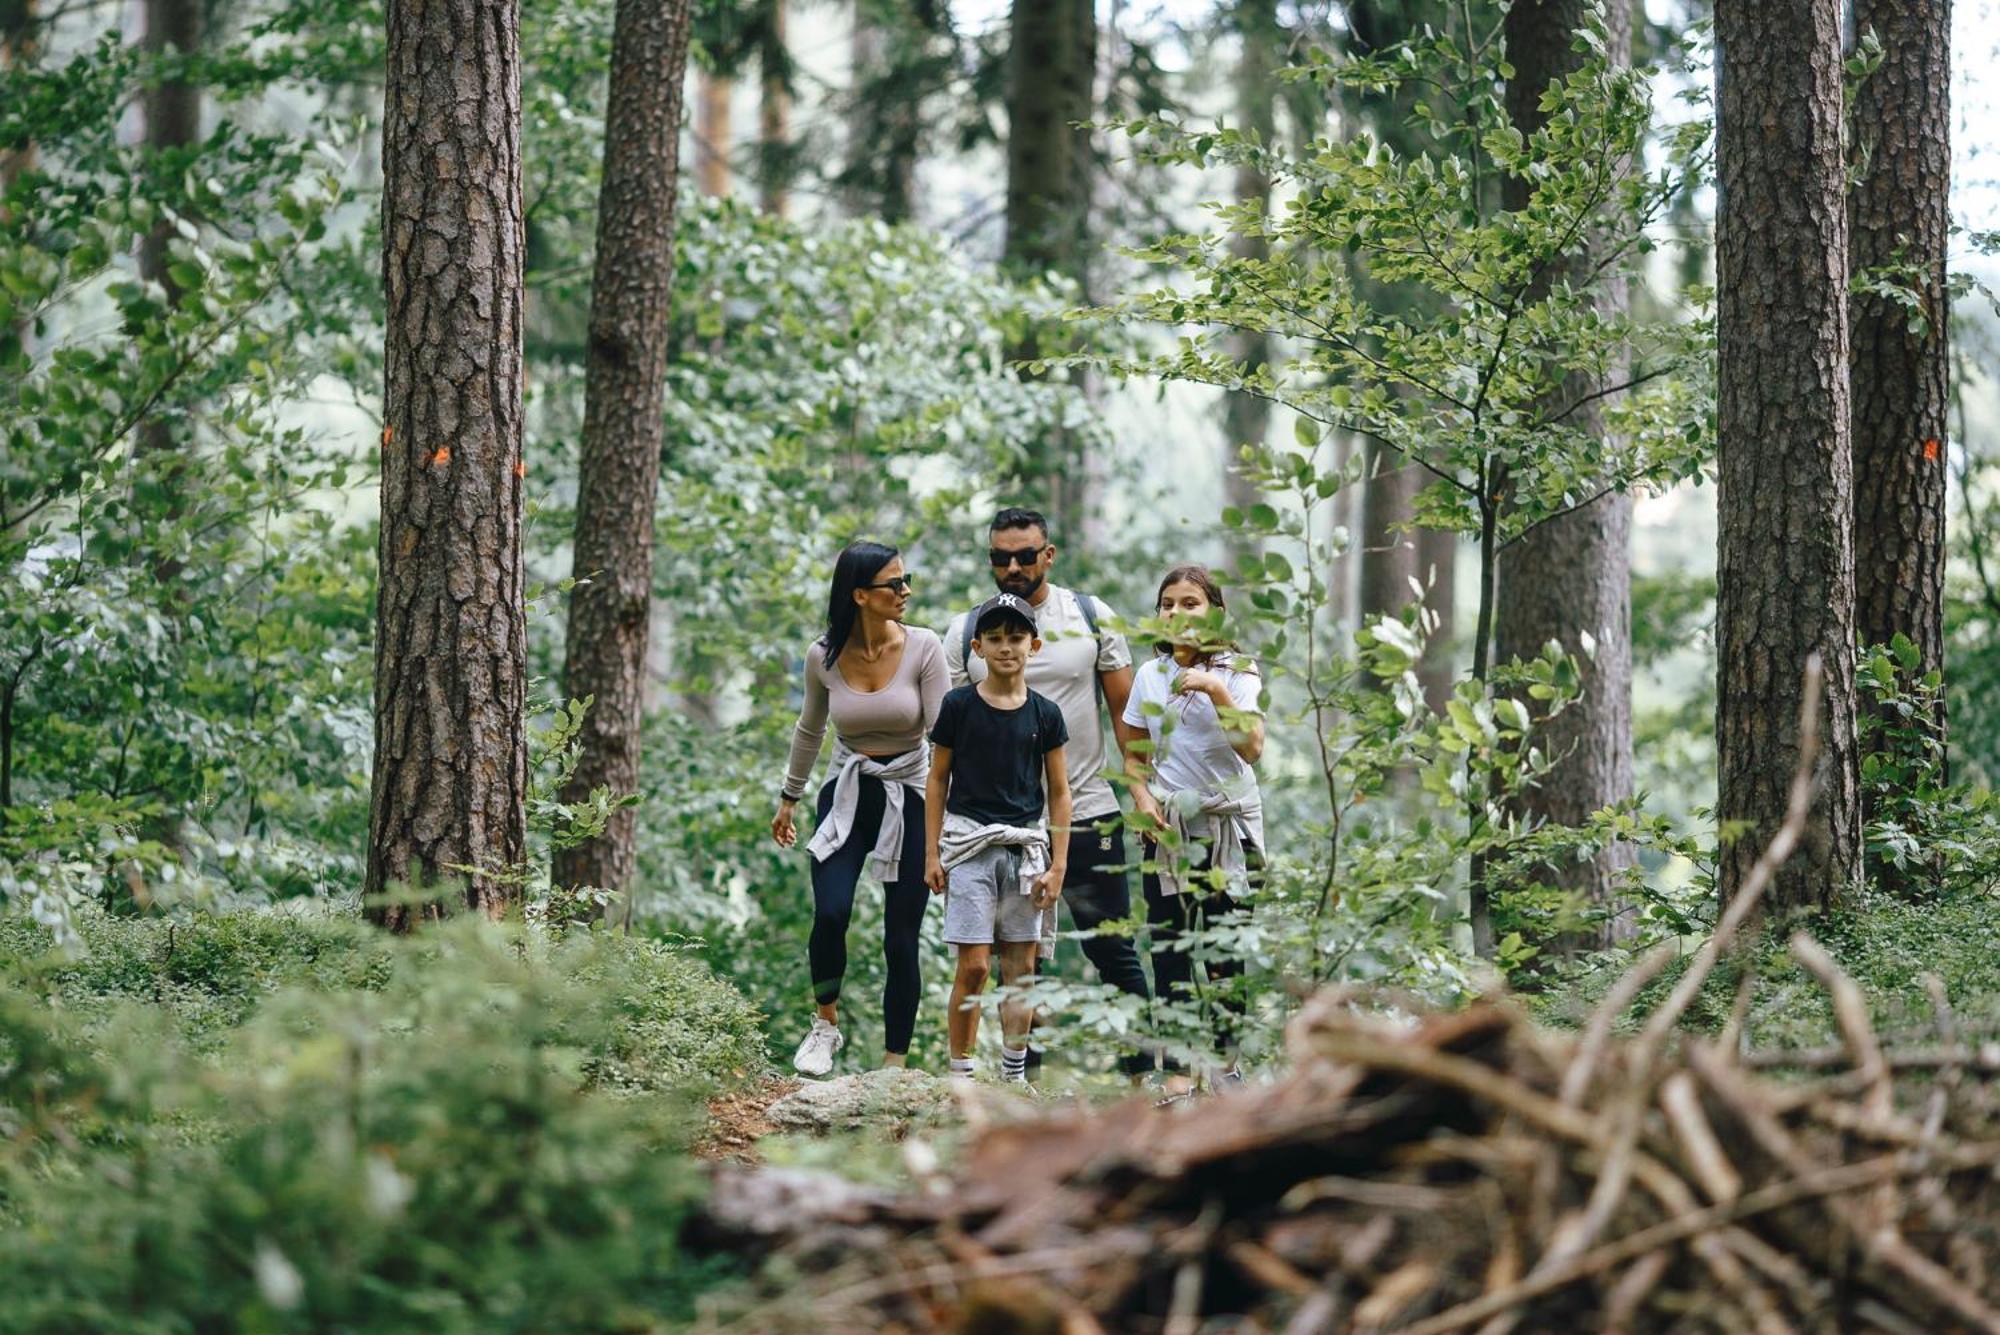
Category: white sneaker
[816,1049]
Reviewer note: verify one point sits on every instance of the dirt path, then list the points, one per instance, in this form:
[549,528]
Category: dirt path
[736,1121]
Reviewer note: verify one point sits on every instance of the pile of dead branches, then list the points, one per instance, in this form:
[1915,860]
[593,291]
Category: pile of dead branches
[1471,1172]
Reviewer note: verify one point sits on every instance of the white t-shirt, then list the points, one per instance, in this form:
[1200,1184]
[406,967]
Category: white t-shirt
[1191,751]
[1065,670]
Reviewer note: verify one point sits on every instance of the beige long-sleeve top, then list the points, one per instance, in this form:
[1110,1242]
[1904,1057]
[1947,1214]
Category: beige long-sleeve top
[895,719]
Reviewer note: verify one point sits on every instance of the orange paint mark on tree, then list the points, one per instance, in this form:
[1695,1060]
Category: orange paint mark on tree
[441,457]
[388,434]
[520,468]
[1931,449]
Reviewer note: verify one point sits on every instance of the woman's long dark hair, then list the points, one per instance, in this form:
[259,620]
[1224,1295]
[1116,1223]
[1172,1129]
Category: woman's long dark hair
[859,564]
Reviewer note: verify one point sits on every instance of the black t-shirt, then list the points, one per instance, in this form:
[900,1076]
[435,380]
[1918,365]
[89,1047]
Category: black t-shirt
[996,755]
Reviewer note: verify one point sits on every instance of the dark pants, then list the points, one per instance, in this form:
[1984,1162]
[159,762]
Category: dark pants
[1192,911]
[1097,891]
[833,883]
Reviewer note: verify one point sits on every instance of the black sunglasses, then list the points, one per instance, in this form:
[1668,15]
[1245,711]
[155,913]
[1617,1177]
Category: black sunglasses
[1000,559]
[900,584]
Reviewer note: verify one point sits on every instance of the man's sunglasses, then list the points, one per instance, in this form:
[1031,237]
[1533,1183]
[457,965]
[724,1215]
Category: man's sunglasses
[1023,557]
[900,584]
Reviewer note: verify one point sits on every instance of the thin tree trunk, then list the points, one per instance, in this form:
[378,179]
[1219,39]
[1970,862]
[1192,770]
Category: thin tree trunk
[20,48]
[1899,217]
[1570,580]
[450,779]
[1051,89]
[623,423]
[714,134]
[172,109]
[1437,570]
[1388,552]
[1247,417]
[774,114]
[884,124]
[1785,558]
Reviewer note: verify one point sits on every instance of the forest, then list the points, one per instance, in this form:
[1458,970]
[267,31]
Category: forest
[1287,666]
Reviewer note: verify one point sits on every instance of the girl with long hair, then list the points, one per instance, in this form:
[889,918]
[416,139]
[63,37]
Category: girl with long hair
[1198,702]
[880,682]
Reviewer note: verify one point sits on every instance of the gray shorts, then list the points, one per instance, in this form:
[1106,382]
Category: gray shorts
[983,902]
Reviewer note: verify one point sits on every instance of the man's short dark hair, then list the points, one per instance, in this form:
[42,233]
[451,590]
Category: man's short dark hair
[1016,517]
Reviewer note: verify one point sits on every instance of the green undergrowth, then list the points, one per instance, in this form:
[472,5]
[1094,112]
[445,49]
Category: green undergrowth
[283,1123]
[1886,945]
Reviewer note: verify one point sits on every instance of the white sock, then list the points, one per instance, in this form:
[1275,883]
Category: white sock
[1013,1062]
[962,1066]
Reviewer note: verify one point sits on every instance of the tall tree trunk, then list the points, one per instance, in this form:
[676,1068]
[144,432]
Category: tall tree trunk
[1247,417]
[1051,87]
[623,421]
[1900,217]
[450,779]
[20,48]
[714,134]
[1785,558]
[1570,580]
[1437,571]
[884,120]
[1051,80]
[774,113]
[1388,546]
[173,121]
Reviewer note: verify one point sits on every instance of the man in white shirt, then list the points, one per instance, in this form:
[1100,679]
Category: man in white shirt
[1081,662]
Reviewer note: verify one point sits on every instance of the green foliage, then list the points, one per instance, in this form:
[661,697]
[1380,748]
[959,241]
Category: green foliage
[472,1139]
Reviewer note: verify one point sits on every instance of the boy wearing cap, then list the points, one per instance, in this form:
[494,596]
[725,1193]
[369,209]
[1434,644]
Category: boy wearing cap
[998,753]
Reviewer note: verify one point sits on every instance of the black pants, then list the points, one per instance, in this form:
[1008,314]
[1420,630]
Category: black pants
[833,883]
[1192,911]
[1097,891]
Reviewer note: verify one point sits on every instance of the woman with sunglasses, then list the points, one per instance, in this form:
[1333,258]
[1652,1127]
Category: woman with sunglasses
[880,682]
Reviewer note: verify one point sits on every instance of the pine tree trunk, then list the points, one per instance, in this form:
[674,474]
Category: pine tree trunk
[1247,417]
[1570,580]
[714,134]
[1437,570]
[450,776]
[623,422]
[1388,553]
[172,111]
[20,48]
[774,114]
[1051,75]
[1899,217]
[1785,558]
[1051,87]
[884,122]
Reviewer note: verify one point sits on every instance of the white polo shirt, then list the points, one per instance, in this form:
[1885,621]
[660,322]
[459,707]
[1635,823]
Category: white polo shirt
[1065,670]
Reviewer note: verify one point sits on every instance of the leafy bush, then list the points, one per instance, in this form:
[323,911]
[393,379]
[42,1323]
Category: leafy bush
[442,1134]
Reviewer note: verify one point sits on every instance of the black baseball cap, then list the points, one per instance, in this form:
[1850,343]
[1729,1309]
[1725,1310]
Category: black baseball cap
[1004,609]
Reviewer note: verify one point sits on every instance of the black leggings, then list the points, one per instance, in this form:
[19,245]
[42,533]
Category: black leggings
[1193,910]
[833,883]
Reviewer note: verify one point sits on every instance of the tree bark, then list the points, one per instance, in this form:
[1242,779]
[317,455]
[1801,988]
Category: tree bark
[623,422]
[1899,216]
[20,48]
[774,113]
[714,134]
[1051,79]
[1437,570]
[172,113]
[1785,554]
[450,777]
[1388,554]
[1247,417]
[1570,580]
[1051,89]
